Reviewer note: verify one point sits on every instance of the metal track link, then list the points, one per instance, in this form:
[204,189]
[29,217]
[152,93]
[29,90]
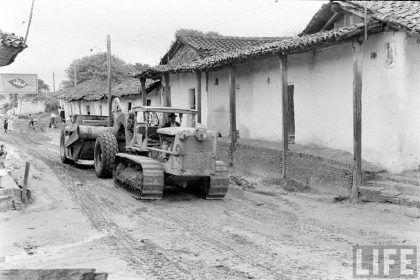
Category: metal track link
[218,183]
[137,193]
[148,180]
[215,186]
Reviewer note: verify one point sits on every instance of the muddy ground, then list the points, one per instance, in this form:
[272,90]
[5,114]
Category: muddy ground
[79,221]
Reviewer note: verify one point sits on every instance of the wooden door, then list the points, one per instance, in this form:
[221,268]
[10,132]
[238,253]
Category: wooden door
[291,108]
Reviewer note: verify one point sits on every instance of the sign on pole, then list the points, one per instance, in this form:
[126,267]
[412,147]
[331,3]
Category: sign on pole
[19,83]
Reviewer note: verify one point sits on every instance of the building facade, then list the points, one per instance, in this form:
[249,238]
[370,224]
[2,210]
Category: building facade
[319,68]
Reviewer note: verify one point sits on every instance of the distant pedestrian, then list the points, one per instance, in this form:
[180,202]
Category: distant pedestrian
[52,121]
[10,124]
[5,124]
[62,114]
[31,121]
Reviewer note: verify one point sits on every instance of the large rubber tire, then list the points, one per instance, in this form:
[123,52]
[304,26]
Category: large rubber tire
[63,156]
[106,147]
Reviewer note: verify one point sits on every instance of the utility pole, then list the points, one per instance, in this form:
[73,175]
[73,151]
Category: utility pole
[30,20]
[108,45]
[53,82]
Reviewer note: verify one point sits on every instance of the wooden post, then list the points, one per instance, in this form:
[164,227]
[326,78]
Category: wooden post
[143,91]
[25,182]
[108,45]
[285,116]
[232,105]
[357,119]
[207,82]
[208,97]
[167,95]
[198,73]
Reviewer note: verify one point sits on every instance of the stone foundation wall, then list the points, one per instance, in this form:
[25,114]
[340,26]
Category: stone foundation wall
[322,174]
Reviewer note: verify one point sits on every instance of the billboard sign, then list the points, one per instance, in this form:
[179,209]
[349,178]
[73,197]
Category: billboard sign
[19,83]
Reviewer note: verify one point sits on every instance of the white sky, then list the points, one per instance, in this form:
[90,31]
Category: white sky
[141,30]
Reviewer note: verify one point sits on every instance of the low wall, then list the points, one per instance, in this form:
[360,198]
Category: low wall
[10,194]
[320,173]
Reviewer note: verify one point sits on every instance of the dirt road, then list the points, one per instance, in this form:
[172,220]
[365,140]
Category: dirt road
[80,221]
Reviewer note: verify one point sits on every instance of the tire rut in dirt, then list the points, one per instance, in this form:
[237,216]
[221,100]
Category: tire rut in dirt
[145,258]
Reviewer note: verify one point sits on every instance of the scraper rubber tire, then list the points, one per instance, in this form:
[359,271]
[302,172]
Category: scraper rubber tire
[106,147]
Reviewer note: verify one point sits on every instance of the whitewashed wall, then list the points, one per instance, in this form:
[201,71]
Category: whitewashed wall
[29,107]
[218,102]
[384,102]
[323,96]
[181,84]
[409,118]
[100,107]
[323,99]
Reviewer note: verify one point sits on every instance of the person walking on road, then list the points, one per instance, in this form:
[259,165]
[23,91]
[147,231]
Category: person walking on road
[52,121]
[10,123]
[5,125]
[62,114]
[31,121]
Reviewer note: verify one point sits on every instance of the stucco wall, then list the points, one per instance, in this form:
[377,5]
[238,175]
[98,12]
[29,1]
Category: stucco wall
[73,107]
[29,107]
[323,99]
[218,98]
[259,100]
[410,128]
[181,84]
[323,96]
[384,96]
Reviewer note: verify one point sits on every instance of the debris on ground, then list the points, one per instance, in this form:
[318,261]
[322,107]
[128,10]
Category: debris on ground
[293,186]
[412,212]
[242,182]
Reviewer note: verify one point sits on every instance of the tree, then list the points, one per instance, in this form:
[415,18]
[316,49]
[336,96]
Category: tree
[139,66]
[95,66]
[185,31]
[42,86]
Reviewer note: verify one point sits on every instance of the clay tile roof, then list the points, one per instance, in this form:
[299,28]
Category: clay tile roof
[286,46]
[97,89]
[10,46]
[210,45]
[402,14]
[398,14]
[207,45]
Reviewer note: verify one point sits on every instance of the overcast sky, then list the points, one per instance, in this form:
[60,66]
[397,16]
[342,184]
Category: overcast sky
[141,30]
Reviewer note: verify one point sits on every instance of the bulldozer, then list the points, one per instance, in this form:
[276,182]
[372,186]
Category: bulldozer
[143,157]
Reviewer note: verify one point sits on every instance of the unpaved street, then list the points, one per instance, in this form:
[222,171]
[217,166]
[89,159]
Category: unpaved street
[80,221]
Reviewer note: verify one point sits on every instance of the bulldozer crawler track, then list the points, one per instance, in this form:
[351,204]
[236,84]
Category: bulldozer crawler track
[215,186]
[152,183]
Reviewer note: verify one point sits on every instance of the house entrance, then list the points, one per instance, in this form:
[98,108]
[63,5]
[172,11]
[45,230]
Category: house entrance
[291,108]
[191,98]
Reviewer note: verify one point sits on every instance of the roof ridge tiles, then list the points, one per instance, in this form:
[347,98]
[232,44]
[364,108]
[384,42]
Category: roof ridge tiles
[225,37]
